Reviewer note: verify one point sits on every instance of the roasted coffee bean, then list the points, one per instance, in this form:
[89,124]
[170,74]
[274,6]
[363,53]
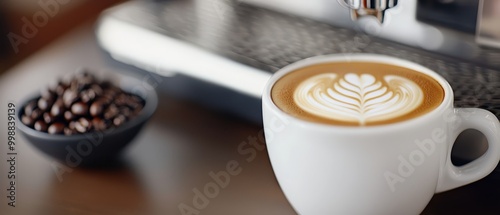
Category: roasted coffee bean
[97,89]
[86,81]
[109,96]
[27,120]
[111,112]
[135,99]
[84,74]
[69,131]
[119,120]
[73,85]
[47,93]
[68,116]
[71,125]
[82,125]
[48,118]
[69,97]
[125,111]
[57,108]
[60,88]
[85,122]
[114,90]
[121,100]
[45,104]
[80,83]
[80,128]
[80,109]
[40,125]
[36,114]
[87,96]
[56,128]
[99,124]
[135,106]
[105,100]
[30,107]
[97,108]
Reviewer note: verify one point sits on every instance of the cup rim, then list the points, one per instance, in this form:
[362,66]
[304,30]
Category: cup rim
[358,57]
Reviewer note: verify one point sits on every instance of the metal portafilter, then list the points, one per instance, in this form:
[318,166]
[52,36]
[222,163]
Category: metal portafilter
[375,8]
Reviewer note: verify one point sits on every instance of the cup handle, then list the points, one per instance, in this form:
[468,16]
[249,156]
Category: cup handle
[484,121]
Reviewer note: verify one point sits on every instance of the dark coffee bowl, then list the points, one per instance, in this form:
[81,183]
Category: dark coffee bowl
[94,148]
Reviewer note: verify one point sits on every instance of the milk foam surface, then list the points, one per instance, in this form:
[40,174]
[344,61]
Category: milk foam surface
[358,98]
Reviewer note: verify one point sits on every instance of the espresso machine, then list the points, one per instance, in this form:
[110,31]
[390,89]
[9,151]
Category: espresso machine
[457,28]
[221,53]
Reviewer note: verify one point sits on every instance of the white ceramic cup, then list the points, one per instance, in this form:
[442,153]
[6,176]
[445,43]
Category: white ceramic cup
[385,169]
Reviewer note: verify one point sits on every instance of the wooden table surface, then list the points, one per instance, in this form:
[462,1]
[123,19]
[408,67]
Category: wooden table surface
[171,157]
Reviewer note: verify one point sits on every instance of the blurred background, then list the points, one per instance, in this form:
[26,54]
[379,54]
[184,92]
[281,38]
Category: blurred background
[71,14]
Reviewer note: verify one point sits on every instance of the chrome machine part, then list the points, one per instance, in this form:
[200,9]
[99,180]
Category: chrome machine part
[375,8]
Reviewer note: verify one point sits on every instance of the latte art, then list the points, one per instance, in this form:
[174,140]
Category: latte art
[356,93]
[358,98]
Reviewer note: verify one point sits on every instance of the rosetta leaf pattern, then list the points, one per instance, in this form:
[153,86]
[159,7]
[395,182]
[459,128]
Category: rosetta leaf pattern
[358,98]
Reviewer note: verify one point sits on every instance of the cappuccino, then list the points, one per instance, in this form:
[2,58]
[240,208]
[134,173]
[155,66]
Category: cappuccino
[356,93]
